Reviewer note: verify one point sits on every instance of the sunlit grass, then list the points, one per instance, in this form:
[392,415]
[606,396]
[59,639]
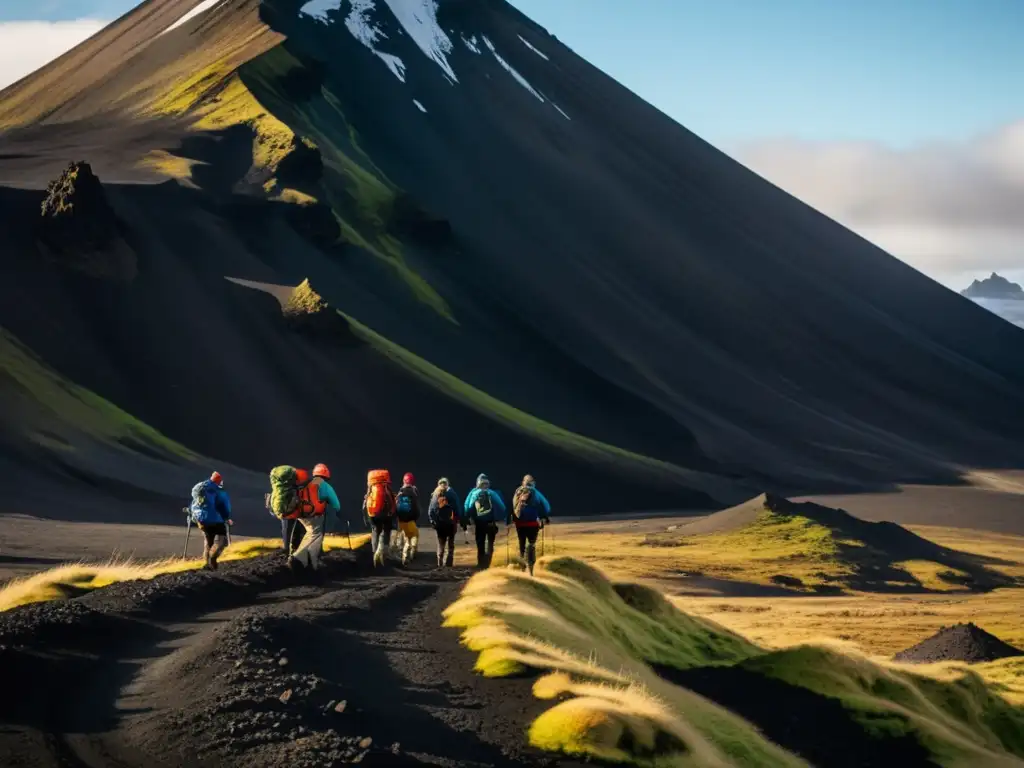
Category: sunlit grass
[593,641]
[72,579]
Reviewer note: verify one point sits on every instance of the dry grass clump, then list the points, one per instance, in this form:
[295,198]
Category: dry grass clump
[601,648]
[73,579]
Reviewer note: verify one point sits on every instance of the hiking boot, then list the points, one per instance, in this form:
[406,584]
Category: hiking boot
[378,559]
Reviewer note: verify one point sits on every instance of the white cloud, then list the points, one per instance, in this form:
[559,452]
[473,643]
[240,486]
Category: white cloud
[25,46]
[951,210]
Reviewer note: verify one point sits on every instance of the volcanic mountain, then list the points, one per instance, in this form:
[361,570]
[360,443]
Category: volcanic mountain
[532,270]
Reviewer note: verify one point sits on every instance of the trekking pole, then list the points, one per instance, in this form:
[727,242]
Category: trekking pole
[508,557]
[188,531]
[227,530]
[542,529]
[348,535]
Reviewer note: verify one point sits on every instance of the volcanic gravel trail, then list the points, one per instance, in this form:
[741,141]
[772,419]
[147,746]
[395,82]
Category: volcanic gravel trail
[246,668]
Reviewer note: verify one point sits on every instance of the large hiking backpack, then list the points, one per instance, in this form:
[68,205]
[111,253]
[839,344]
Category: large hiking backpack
[203,501]
[446,513]
[483,503]
[379,499]
[403,503]
[521,500]
[291,495]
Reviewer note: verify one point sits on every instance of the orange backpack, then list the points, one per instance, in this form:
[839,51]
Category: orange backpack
[310,503]
[379,496]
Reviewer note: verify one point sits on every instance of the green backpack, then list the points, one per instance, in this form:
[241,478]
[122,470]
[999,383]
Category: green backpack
[283,500]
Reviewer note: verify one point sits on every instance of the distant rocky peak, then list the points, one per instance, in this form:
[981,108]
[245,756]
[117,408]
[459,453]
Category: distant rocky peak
[994,287]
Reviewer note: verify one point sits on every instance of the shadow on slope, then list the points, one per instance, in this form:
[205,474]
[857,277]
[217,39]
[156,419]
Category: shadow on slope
[354,384]
[622,666]
[800,545]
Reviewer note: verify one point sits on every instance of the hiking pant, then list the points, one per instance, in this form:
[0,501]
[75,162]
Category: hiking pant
[528,544]
[380,536]
[446,542]
[215,538]
[312,544]
[412,539]
[291,535]
[485,534]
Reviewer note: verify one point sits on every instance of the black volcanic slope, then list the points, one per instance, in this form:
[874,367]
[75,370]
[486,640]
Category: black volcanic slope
[541,272]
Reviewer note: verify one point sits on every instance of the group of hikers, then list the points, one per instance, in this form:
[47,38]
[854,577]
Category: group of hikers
[307,506]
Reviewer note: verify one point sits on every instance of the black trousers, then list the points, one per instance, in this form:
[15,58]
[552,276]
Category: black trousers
[485,534]
[446,543]
[528,536]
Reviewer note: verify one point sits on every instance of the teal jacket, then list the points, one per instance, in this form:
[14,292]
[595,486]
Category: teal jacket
[497,506]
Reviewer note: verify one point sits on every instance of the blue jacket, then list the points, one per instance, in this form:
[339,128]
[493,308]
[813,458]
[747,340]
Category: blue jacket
[497,506]
[210,503]
[453,503]
[536,510]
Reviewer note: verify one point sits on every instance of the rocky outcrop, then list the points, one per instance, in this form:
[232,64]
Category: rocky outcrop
[994,287]
[79,229]
[961,642]
[307,312]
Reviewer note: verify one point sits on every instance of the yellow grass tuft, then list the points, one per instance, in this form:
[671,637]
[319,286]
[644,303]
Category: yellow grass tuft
[73,579]
[595,642]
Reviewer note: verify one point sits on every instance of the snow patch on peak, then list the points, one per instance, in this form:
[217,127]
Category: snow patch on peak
[360,26]
[318,9]
[528,45]
[395,64]
[201,8]
[508,67]
[419,106]
[419,19]
[472,44]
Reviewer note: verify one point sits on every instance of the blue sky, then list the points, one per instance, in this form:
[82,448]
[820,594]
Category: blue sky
[902,119]
[896,71]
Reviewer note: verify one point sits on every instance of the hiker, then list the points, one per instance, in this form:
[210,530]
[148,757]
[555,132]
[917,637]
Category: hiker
[211,511]
[318,497]
[445,517]
[481,505]
[530,512]
[407,509]
[379,512]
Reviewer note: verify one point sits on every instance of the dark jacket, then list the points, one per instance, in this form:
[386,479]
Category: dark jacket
[434,511]
[413,515]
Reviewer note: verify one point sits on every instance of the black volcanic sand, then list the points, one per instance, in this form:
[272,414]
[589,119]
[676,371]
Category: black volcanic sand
[960,642]
[244,667]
